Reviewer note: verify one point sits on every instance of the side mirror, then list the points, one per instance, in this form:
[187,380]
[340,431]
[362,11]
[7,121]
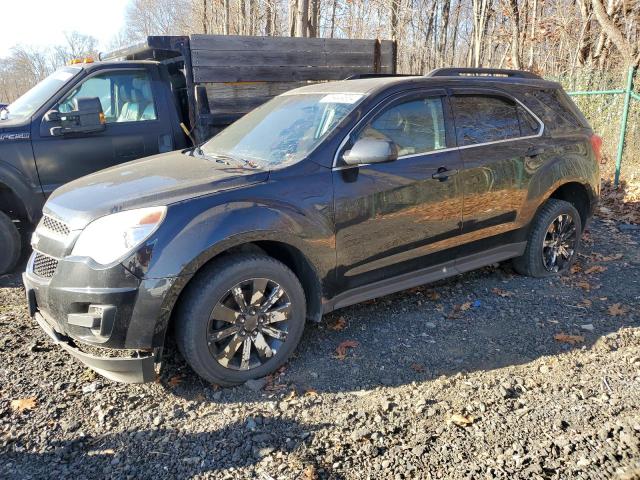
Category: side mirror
[371,150]
[86,117]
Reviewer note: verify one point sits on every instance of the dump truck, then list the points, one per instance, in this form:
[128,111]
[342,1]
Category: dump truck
[167,93]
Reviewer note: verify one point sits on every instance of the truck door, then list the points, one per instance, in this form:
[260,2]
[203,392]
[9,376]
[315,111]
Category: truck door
[137,125]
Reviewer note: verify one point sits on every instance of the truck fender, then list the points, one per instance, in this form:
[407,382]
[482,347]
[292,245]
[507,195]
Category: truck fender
[32,203]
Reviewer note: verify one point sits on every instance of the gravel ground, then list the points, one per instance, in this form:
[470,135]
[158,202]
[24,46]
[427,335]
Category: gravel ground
[486,375]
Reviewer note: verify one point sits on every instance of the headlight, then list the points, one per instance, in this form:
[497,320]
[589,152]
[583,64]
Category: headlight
[112,237]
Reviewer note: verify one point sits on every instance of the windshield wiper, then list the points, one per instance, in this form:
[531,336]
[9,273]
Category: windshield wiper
[223,156]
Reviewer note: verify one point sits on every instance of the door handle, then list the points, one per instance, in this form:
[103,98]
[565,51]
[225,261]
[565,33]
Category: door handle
[444,173]
[534,151]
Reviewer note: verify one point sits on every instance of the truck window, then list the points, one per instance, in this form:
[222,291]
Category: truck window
[416,126]
[484,118]
[124,96]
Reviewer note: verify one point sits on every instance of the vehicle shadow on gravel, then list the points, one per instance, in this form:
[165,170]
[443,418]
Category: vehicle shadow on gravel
[167,452]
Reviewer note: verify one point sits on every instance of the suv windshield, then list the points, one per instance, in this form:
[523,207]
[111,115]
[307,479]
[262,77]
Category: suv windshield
[283,130]
[27,104]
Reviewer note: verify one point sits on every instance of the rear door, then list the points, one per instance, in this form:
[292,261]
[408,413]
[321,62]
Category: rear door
[137,125]
[497,138]
[393,218]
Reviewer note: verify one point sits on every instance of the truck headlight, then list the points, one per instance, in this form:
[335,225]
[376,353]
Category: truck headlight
[112,237]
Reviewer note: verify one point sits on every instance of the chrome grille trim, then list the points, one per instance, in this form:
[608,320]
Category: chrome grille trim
[44,266]
[55,226]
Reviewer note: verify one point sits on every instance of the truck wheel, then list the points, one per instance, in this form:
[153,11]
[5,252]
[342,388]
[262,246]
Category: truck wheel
[553,242]
[240,318]
[11,244]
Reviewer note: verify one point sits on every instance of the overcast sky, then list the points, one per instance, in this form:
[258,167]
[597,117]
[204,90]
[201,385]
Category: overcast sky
[43,22]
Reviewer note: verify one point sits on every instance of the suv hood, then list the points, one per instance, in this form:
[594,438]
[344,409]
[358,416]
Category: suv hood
[157,180]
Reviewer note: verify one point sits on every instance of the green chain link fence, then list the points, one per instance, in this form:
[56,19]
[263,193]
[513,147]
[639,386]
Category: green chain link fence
[614,115]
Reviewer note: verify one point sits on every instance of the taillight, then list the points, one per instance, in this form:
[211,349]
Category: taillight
[596,144]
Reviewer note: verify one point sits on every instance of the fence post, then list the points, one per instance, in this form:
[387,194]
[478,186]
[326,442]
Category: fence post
[623,124]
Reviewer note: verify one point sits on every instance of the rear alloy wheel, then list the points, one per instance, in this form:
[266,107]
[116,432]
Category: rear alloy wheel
[11,244]
[559,243]
[553,241]
[240,318]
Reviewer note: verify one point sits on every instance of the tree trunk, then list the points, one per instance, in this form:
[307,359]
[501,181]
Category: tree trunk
[205,20]
[395,10]
[333,18]
[302,18]
[629,52]
[444,28]
[227,16]
[269,14]
[514,19]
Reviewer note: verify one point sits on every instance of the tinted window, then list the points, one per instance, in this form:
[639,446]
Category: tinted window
[548,105]
[484,118]
[528,124]
[124,96]
[416,126]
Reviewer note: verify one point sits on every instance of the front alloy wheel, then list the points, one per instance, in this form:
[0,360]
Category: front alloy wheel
[240,318]
[249,324]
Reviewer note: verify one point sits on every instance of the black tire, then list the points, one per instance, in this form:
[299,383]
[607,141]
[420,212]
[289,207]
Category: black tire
[210,288]
[531,263]
[11,244]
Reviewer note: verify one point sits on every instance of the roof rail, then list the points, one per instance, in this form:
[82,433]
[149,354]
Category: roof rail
[481,72]
[360,76]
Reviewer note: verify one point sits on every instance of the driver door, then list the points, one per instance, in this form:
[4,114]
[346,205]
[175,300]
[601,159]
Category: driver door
[398,217]
[132,128]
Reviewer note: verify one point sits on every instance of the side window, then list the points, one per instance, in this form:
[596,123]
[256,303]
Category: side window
[484,118]
[528,124]
[415,126]
[124,96]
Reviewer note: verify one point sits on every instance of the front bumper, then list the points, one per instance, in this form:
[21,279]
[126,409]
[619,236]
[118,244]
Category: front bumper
[84,309]
[128,370]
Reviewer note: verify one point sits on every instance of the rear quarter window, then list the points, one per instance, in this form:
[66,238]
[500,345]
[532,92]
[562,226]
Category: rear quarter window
[549,106]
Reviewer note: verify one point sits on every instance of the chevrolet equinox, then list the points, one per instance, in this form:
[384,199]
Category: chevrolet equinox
[323,197]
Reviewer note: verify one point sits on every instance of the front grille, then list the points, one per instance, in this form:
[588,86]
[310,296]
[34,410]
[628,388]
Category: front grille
[44,266]
[55,226]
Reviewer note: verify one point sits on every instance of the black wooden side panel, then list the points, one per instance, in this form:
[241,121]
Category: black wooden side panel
[220,58]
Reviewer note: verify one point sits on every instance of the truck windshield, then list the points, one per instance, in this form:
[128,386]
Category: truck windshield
[27,104]
[284,130]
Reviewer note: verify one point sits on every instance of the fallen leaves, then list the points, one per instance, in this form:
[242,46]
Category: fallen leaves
[570,339]
[175,380]
[338,325]
[23,404]
[502,293]
[309,473]
[341,350]
[461,420]
[586,286]
[418,367]
[618,310]
[595,269]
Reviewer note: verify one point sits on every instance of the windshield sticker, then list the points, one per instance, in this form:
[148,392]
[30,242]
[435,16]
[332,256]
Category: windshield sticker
[6,137]
[61,75]
[348,98]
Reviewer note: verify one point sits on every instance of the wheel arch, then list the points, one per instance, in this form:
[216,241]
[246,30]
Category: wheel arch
[287,253]
[17,198]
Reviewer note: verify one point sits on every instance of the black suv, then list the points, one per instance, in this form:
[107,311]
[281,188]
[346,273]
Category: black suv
[323,197]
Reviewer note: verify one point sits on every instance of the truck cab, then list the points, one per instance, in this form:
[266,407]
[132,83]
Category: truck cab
[82,118]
